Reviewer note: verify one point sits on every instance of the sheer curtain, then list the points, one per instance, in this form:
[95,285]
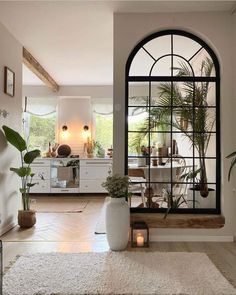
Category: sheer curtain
[102,106]
[40,106]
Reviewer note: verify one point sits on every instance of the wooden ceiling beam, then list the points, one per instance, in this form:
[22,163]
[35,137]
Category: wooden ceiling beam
[38,70]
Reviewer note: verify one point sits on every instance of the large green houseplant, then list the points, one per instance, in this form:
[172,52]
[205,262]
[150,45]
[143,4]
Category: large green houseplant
[26,217]
[183,97]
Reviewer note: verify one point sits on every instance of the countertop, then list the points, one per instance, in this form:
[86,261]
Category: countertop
[68,158]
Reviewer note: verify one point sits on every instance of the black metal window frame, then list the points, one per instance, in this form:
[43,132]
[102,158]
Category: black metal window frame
[172,79]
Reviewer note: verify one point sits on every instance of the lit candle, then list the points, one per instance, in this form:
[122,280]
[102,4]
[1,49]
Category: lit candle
[140,240]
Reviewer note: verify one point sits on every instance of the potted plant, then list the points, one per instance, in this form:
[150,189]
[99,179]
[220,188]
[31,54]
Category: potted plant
[202,122]
[197,200]
[26,217]
[173,202]
[100,151]
[117,212]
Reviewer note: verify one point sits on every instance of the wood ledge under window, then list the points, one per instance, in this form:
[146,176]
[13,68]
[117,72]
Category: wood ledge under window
[180,220]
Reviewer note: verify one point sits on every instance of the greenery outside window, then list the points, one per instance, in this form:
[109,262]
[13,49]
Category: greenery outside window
[40,130]
[104,129]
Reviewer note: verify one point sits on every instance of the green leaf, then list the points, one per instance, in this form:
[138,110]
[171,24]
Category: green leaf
[14,138]
[31,156]
[231,167]
[23,190]
[190,174]
[22,171]
[41,176]
[231,155]
[31,184]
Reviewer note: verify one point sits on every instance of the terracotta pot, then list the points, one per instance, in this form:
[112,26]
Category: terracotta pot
[26,219]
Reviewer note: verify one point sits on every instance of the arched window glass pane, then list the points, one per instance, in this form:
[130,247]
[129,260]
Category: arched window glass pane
[162,67]
[182,67]
[197,61]
[159,46]
[138,94]
[141,64]
[185,47]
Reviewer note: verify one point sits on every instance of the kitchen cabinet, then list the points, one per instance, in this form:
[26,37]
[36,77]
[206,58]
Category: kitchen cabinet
[93,173]
[86,177]
[41,167]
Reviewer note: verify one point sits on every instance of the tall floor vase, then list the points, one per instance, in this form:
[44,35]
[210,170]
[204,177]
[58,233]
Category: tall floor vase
[117,223]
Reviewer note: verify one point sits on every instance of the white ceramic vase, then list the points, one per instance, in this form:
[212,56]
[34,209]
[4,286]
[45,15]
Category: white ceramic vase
[117,223]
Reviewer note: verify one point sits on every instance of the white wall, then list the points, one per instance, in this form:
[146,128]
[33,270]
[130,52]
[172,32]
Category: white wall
[216,30]
[233,177]
[75,113]
[11,56]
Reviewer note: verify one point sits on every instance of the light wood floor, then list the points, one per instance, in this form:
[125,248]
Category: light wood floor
[59,232]
[74,232]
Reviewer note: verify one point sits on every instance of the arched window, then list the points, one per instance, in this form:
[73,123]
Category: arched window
[173,124]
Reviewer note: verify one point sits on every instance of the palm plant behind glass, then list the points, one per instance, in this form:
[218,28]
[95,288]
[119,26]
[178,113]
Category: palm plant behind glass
[190,105]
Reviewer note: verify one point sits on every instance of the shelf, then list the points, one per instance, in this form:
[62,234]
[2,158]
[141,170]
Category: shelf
[156,220]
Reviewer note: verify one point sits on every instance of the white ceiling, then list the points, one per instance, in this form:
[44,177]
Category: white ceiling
[29,78]
[73,40]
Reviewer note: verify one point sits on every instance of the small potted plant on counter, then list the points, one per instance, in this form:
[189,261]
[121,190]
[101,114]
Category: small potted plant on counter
[26,217]
[100,151]
[117,211]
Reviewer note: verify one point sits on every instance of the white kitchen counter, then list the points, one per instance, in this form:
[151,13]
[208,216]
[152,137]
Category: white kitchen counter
[92,172]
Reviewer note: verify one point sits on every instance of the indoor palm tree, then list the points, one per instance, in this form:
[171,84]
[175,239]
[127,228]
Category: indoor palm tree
[190,106]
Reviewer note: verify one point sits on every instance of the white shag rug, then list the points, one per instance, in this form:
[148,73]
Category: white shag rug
[115,273]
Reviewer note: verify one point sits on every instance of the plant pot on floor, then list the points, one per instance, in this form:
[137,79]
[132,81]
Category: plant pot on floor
[117,223]
[26,219]
[201,202]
